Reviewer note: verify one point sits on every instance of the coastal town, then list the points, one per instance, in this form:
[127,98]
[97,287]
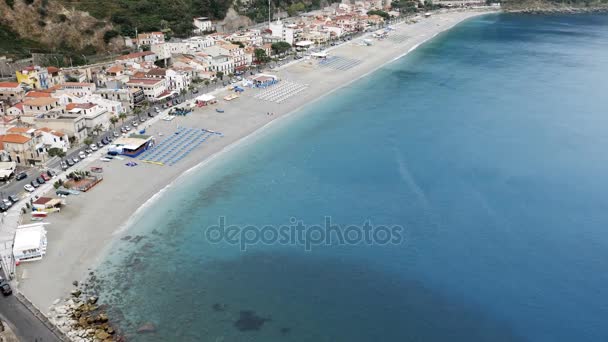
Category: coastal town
[83,148]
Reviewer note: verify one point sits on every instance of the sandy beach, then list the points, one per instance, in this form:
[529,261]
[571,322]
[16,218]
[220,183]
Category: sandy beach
[80,234]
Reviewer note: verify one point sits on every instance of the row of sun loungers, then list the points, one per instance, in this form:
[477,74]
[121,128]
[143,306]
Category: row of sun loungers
[281,92]
[339,63]
[176,147]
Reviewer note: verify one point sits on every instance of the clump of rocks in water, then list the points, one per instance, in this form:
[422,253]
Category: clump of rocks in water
[81,318]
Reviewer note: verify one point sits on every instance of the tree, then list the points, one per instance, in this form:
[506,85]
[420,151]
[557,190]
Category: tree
[97,129]
[383,14]
[207,84]
[295,8]
[113,121]
[219,75]
[88,141]
[280,47]
[261,56]
[137,112]
[122,117]
[55,151]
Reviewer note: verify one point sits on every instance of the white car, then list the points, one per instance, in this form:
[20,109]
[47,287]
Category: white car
[28,188]
[82,155]
[93,147]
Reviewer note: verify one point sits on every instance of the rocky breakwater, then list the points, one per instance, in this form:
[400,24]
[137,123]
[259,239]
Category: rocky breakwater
[81,318]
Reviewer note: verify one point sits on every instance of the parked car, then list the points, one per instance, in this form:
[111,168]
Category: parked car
[75,160]
[142,119]
[51,173]
[62,192]
[112,153]
[34,184]
[28,187]
[6,289]
[82,155]
[123,130]
[64,165]
[45,177]
[88,151]
[13,198]
[7,202]
[20,176]
[93,147]
[70,162]
[104,141]
[3,207]
[99,144]
[116,134]
[128,128]
[40,180]
[195,91]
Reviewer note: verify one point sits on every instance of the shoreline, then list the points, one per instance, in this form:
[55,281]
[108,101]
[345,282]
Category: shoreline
[70,256]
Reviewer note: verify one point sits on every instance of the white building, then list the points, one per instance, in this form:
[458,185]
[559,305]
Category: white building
[53,139]
[177,80]
[94,115]
[202,24]
[30,242]
[153,88]
[199,43]
[284,32]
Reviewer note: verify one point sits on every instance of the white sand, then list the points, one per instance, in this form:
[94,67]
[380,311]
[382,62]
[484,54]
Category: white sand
[78,234]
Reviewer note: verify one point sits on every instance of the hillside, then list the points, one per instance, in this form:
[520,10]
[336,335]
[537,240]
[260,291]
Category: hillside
[86,27]
[45,25]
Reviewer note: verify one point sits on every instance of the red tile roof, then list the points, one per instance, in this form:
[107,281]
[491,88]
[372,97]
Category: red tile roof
[9,85]
[15,139]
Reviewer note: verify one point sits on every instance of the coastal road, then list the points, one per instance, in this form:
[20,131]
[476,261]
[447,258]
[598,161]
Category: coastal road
[25,325]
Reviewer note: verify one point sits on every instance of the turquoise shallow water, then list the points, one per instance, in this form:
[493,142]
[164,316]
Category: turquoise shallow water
[487,145]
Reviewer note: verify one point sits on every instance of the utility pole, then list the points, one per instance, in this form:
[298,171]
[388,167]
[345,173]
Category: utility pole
[269,14]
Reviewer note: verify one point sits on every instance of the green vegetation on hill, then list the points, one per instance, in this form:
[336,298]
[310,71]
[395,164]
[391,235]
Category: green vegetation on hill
[173,16]
[13,45]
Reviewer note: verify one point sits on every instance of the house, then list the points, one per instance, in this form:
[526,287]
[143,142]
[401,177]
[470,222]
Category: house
[33,77]
[128,97]
[150,38]
[54,139]
[202,24]
[153,88]
[73,125]
[137,57]
[177,80]
[21,148]
[95,117]
[33,107]
[11,92]
[77,88]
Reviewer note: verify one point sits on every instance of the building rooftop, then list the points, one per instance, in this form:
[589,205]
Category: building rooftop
[15,139]
[9,85]
[40,101]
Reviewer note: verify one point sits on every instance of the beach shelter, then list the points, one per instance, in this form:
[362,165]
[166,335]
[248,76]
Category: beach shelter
[205,99]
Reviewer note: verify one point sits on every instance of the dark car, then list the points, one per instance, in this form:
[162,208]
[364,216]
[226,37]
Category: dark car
[50,173]
[35,184]
[99,144]
[112,153]
[6,289]
[40,180]
[3,207]
[195,91]
[13,198]
[62,192]
[20,176]
[104,141]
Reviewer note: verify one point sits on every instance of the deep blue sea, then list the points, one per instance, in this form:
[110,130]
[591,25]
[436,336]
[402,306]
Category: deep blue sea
[487,145]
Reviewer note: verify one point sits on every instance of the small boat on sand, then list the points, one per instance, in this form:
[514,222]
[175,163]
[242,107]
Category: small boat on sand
[219,110]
